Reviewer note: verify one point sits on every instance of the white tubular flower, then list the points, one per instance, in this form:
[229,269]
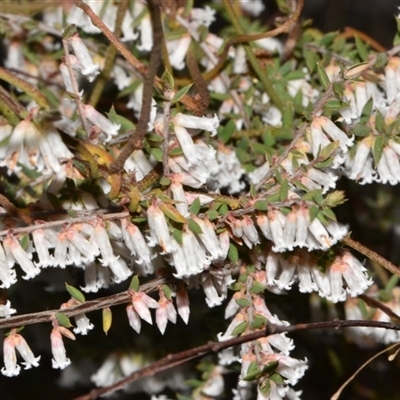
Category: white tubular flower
[179,196]
[31,147]
[145,29]
[159,229]
[89,69]
[389,167]
[187,144]
[6,310]
[138,247]
[66,76]
[141,302]
[60,360]
[87,249]
[42,246]
[109,128]
[259,173]
[116,264]
[134,319]
[10,357]
[16,254]
[254,8]
[177,50]
[276,223]
[250,234]
[195,254]
[7,273]
[212,297]
[192,122]
[83,325]
[96,277]
[209,238]
[182,304]
[225,171]
[353,272]
[360,168]
[164,313]
[15,341]
[392,75]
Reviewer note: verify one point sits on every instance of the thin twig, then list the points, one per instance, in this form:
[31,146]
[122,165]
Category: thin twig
[75,87]
[52,224]
[88,306]
[136,140]
[371,255]
[377,304]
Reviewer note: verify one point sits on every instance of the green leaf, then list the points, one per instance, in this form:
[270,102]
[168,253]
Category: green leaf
[107,319]
[212,214]
[311,59]
[153,137]
[361,130]
[313,212]
[338,89]
[276,378]
[167,291]
[195,206]
[233,253]
[381,60]
[318,198]
[223,209]
[181,92]
[239,328]
[243,302]
[134,285]
[329,213]
[322,218]
[63,320]
[392,283]
[75,293]
[366,112]
[261,205]
[257,288]
[177,234]
[328,150]
[172,213]
[126,124]
[378,148]
[284,190]
[165,181]
[361,49]
[168,80]
[24,241]
[176,151]
[324,164]
[226,132]
[258,322]
[194,226]
[156,153]
[253,372]
[69,31]
[270,367]
[322,75]
[379,121]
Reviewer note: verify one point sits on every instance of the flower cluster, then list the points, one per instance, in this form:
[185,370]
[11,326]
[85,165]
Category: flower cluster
[227,193]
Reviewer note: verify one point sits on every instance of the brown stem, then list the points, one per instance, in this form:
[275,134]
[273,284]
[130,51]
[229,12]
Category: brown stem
[136,140]
[88,306]
[371,255]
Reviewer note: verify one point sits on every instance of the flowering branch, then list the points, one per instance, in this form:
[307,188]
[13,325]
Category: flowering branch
[173,360]
[88,306]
